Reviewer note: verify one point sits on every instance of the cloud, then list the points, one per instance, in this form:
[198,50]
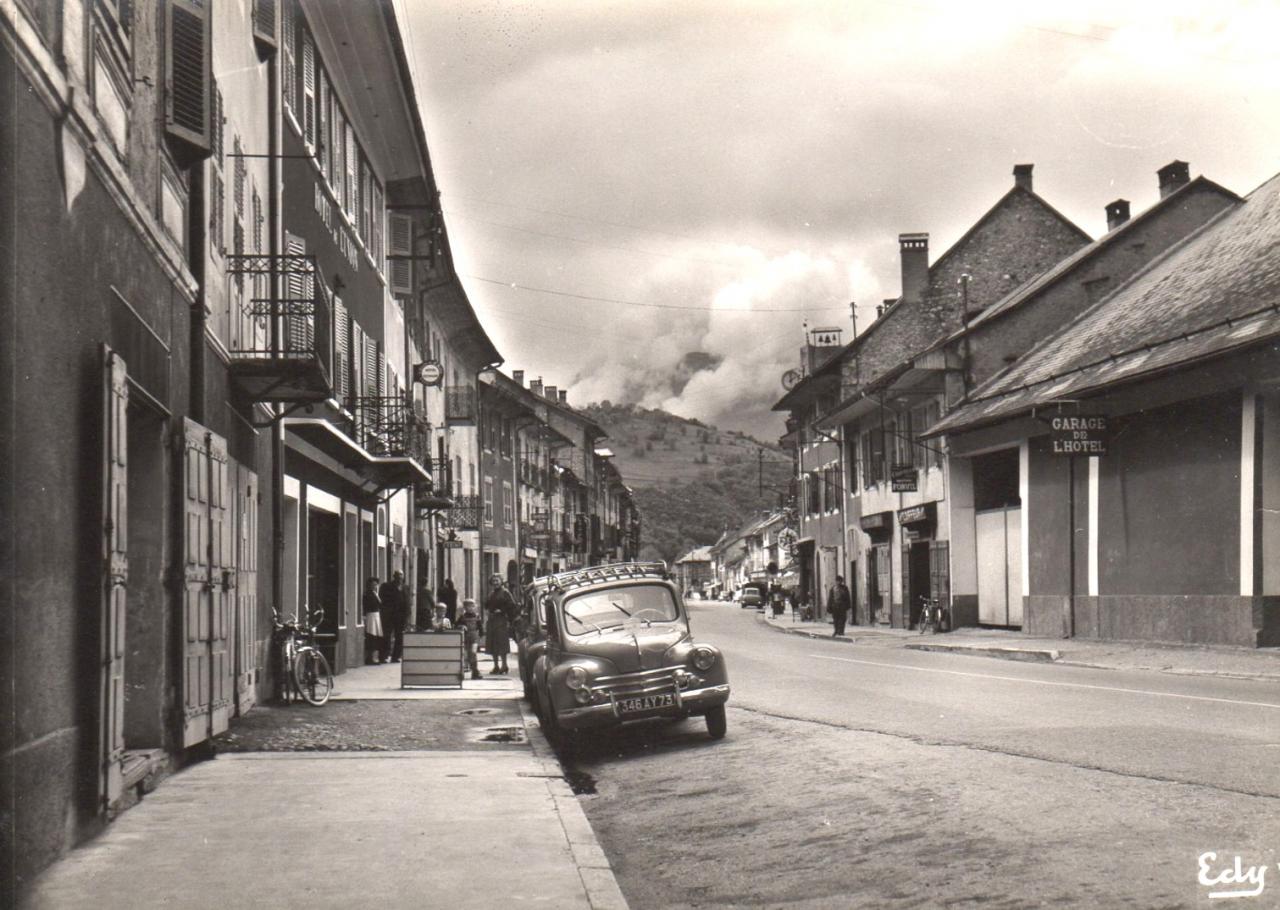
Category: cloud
[766,155]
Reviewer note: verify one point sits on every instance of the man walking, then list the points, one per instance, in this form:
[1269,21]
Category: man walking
[838,604]
[395,609]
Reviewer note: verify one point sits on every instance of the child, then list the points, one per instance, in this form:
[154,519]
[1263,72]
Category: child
[469,622]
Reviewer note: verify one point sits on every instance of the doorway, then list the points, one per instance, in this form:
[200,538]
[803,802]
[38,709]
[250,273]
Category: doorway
[324,576]
[919,584]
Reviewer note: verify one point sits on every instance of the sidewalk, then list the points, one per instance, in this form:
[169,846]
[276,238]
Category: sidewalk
[1197,660]
[460,828]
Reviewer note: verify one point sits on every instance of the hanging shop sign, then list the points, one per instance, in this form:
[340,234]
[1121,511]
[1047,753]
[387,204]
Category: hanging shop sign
[787,540]
[451,544]
[1080,434]
[430,373]
[903,478]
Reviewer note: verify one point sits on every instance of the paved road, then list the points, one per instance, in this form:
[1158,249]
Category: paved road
[872,776]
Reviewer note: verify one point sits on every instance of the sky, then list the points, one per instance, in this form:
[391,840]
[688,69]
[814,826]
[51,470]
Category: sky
[626,183]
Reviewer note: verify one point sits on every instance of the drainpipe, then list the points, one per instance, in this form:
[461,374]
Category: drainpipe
[274,228]
[198,234]
[480,475]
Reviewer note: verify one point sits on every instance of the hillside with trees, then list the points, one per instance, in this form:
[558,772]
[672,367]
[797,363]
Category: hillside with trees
[691,480]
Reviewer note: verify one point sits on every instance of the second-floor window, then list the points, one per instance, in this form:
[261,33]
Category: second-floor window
[873,463]
[507,504]
[488,501]
[813,487]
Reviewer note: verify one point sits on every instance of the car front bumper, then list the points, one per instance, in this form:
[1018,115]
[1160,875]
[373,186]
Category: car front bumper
[606,713]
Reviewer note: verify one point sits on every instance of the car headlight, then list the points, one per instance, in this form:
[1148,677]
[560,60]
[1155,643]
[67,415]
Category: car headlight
[576,678]
[703,658]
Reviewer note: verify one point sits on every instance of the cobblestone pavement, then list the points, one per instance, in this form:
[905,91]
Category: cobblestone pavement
[377,726]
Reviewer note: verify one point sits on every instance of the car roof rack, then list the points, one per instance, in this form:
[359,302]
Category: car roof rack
[615,572]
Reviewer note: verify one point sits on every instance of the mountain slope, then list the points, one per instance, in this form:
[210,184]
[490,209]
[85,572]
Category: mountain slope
[691,480]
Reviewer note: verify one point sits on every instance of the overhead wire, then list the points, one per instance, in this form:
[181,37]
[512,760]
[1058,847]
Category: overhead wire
[658,306]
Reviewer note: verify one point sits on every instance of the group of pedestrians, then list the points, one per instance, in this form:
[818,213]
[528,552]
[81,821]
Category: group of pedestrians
[386,615]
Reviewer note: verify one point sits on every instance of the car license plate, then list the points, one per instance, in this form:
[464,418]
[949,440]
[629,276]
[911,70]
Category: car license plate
[642,703]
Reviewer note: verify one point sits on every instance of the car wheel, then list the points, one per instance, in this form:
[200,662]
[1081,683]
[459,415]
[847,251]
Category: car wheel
[717,722]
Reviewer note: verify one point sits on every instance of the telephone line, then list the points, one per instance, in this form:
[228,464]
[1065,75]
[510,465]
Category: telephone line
[658,306]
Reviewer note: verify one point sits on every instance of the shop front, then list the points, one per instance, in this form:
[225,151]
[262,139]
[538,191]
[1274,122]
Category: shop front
[878,570]
[925,560]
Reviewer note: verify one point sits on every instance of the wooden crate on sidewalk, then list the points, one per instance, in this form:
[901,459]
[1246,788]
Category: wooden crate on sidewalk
[432,659]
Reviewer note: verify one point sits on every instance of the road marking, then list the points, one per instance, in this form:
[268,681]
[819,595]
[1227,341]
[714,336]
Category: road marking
[1045,682]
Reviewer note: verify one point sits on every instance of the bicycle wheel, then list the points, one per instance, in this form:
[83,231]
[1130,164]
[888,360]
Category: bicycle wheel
[288,691]
[312,676]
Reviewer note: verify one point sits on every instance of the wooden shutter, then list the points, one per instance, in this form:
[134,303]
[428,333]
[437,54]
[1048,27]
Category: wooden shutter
[223,576]
[264,24]
[400,244]
[342,344]
[325,126]
[289,60]
[940,571]
[358,388]
[188,75]
[308,88]
[297,327]
[115,537]
[207,580]
[196,583]
[246,589]
[371,364]
[351,197]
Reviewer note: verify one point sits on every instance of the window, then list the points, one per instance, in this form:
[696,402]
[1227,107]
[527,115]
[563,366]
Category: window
[873,465]
[813,482]
[507,504]
[488,501]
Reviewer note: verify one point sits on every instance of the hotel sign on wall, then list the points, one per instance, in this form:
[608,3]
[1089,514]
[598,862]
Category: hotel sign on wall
[903,478]
[1080,434]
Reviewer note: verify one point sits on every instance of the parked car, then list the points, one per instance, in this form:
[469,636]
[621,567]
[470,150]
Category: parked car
[752,596]
[616,647]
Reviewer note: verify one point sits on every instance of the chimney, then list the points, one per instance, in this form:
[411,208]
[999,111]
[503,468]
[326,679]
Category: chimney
[551,392]
[564,396]
[518,376]
[1022,176]
[1173,175]
[1117,213]
[915,265]
[535,386]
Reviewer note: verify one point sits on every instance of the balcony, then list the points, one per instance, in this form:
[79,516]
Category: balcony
[281,349]
[396,438]
[460,406]
[464,514]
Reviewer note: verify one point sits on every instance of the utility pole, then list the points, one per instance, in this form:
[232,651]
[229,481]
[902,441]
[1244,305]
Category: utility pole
[760,473]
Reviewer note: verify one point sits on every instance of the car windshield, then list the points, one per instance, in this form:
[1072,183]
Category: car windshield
[595,611]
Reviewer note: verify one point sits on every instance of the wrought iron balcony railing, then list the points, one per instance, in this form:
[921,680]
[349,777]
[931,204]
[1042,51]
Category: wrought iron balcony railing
[281,347]
[460,405]
[464,514]
[387,426]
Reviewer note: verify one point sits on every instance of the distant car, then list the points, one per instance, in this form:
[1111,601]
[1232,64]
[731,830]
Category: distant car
[752,596]
[616,647]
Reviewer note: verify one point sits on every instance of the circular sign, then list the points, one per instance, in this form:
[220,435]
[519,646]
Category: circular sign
[429,373]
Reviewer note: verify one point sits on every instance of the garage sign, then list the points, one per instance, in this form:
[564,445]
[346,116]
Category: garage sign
[1080,434]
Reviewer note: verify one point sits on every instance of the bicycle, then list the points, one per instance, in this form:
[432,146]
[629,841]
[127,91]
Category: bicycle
[304,670]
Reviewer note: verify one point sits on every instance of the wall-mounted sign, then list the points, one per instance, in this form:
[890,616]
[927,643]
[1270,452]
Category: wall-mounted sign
[1081,434]
[451,544]
[787,539]
[903,478]
[915,515]
[429,373]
